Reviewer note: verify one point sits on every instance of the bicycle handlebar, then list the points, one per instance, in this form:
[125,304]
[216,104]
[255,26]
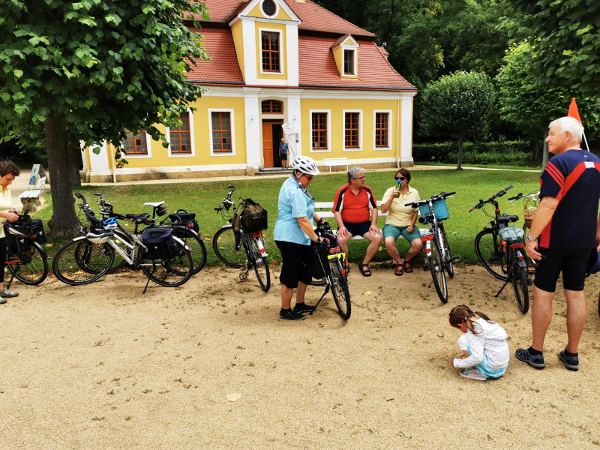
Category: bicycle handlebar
[227,203]
[440,196]
[492,198]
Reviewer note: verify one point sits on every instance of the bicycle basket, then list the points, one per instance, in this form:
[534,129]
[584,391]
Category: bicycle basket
[253,217]
[439,208]
[529,210]
[511,234]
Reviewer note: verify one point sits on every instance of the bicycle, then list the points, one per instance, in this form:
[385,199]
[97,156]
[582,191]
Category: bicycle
[329,270]
[184,227]
[437,250]
[163,258]
[228,243]
[500,249]
[26,259]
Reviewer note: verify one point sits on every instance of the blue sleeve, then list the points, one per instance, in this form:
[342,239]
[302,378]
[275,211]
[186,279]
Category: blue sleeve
[299,204]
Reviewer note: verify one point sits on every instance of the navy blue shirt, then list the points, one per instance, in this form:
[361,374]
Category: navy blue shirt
[573,178]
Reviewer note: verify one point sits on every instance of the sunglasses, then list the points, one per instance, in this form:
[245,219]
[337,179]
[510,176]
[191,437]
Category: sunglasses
[400,178]
[308,177]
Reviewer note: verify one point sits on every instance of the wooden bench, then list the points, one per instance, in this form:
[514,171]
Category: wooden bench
[31,197]
[329,162]
[324,210]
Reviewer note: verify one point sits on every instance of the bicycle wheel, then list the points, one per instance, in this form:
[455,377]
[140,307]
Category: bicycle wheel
[339,289]
[259,262]
[32,268]
[81,261]
[437,272]
[169,271]
[449,265]
[520,286]
[490,254]
[224,245]
[195,244]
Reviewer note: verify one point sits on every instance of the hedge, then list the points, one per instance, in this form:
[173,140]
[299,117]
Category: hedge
[508,152]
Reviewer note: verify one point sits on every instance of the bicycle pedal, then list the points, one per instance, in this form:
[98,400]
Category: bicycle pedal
[243,276]
[456,259]
[426,268]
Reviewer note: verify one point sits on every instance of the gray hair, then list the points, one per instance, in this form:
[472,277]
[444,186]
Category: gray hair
[353,172]
[569,124]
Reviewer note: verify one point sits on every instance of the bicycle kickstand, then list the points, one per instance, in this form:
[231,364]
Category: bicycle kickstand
[244,276]
[502,288]
[147,283]
[12,277]
[317,304]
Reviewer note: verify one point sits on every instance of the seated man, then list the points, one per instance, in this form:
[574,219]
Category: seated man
[355,211]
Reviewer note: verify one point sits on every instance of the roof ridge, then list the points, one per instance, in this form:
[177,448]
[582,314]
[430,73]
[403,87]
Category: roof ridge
[390,64]
[334,14]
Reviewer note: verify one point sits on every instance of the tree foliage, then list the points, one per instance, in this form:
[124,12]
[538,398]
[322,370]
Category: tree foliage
[567,40]
[458,105]
[91,70]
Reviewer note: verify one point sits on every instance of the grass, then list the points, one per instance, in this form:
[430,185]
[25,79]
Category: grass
[202,197]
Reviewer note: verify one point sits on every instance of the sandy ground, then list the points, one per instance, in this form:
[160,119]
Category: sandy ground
[107,367]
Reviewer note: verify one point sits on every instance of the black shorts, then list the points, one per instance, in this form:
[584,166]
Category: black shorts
[297,263]
[572,264]
[283,157]
[358,229]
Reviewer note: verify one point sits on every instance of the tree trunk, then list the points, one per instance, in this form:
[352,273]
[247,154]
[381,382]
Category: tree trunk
[460,151]
[537,153]
[75,155]
[64,220]
[545,155]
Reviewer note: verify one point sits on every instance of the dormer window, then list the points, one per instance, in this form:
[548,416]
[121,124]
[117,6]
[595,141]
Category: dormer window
[271,54]
[269,8]
[349,57]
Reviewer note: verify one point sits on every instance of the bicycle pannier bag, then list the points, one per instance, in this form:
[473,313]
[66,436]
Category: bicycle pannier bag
[511,234]
[320,265]
[182,217]
[160,243]
[17,239]
[253,216]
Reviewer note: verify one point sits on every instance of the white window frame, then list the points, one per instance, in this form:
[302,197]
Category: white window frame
[192,143]
[276,9]
[321,150]
[360,130]
[389,113]
[138,155]
[281,48]
[210,128]
[355,59]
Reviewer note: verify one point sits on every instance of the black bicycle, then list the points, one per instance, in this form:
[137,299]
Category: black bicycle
[500,249]
[437,251]
[228,243]
[26,259]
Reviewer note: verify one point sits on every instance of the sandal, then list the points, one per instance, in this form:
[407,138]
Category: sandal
[364,269]
[398,271]
[408,266]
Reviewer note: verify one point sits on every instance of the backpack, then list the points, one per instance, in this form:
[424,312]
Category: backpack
[250,217]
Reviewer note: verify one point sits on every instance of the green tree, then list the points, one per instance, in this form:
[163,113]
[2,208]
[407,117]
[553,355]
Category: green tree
[458,105]
[90,70]
[567,41]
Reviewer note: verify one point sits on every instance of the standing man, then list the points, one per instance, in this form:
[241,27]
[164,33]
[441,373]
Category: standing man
[283,153]
[355,211]
[564,231]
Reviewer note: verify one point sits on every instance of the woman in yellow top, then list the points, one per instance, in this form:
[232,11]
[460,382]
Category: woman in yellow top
[401,221]
[8,172]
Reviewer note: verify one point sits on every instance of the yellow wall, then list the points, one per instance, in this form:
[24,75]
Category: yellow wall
[282,49]
[202,137]
[238,41]
[257,12]
[336,109]
[338,55]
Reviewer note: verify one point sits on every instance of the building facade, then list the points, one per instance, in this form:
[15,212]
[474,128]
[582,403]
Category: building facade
[276,62]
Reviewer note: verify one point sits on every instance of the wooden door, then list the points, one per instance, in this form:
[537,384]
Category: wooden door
[267,130]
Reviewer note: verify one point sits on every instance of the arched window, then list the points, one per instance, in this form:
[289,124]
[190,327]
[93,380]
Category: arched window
[272,107]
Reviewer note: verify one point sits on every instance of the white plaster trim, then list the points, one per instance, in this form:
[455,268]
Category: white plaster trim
[249,39]
[389,113]
[281,56]
[210,130]
[101,160]
[138,155]
[360,130]
[263,12]
[192,144]
[244,14]
[293,58]
[328,112]
[359,95]
[355,59]
[406,121]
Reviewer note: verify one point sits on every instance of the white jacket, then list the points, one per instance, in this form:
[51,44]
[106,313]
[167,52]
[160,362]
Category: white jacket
[489,341]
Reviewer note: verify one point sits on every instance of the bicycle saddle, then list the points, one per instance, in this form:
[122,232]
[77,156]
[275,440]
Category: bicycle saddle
[507,219]
[139,218]
[154,204]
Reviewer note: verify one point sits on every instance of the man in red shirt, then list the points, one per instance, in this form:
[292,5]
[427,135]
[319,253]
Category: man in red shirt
[355,211]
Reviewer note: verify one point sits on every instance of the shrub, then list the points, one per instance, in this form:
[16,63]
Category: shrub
[507,152]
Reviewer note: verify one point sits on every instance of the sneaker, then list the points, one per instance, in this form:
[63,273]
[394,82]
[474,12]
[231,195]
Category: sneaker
[571,362]
[2,301]
[472,373]
[288,314]
[535,361]
[303,307]
[8,294]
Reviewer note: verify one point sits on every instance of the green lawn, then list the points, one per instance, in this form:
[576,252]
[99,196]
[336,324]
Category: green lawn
[202,197]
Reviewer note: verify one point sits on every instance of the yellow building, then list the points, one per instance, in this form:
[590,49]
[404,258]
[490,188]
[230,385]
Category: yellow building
[276,62]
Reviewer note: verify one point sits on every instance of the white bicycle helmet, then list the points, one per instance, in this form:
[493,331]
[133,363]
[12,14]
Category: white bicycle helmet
[306,165]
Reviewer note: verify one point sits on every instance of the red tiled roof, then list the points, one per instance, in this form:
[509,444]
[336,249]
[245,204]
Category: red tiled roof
[223,66]
[318,69]
[313,16]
